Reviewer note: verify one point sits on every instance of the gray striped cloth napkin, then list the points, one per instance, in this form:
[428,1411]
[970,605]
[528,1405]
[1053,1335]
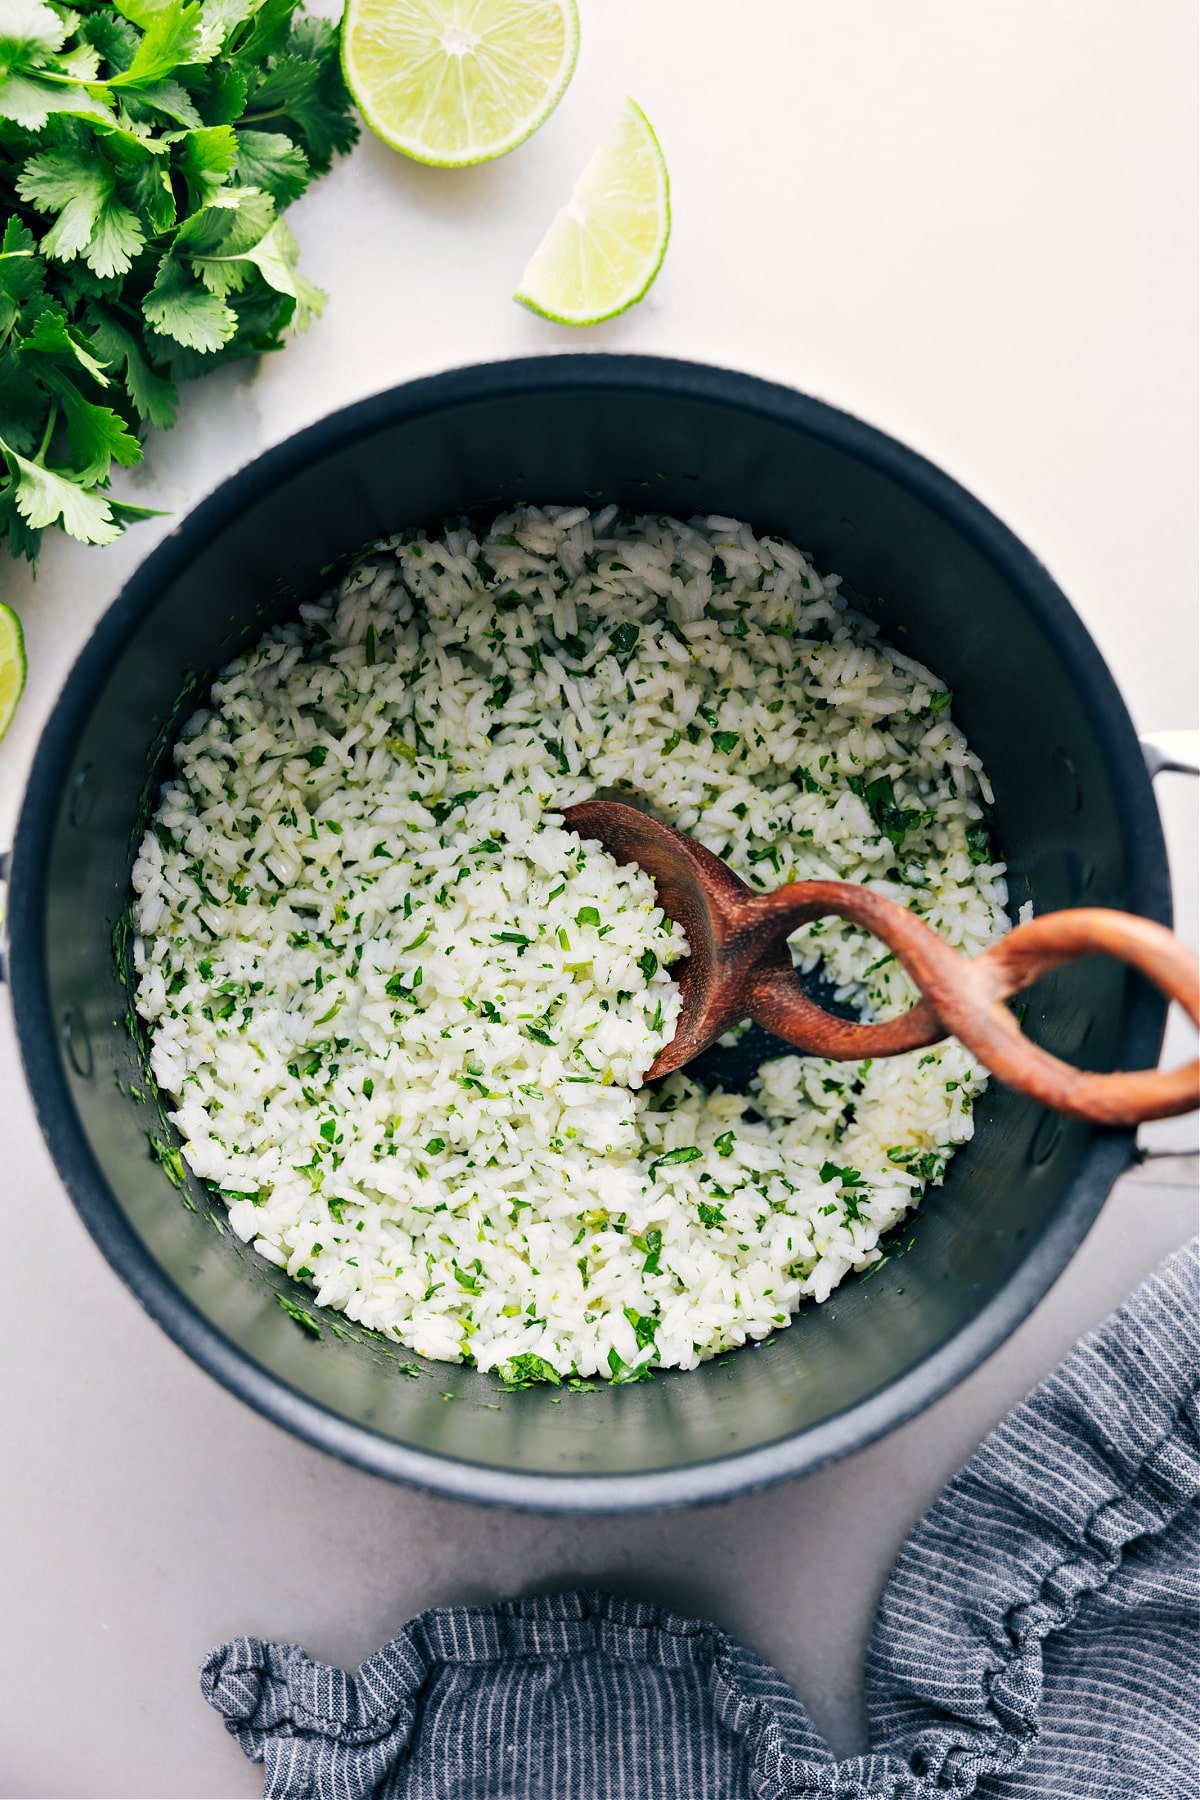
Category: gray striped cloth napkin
[1037,1640]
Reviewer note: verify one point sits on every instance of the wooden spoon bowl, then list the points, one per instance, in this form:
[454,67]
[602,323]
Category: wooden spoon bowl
[740,968]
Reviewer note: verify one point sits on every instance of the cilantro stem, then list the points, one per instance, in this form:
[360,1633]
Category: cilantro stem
[51,422]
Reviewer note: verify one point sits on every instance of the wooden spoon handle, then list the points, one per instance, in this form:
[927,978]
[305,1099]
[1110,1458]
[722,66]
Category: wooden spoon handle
[965,997]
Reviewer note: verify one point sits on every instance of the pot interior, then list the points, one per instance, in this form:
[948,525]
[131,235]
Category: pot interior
[1073,818]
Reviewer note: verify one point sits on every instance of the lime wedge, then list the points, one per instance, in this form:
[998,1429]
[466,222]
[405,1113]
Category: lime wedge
[453,82]
[12,665]
[606,245]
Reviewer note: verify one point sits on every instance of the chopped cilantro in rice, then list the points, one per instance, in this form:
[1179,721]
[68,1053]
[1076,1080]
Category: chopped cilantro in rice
[403,1015]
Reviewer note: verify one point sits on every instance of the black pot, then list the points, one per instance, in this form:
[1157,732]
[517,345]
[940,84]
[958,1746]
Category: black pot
[1075,818]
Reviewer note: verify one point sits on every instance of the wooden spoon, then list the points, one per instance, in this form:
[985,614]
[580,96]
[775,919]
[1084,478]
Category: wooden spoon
[740,968]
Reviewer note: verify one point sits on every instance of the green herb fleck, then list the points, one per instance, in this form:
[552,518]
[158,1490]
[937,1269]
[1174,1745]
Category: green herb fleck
[299,1315]
[527,1370]
[623,640]
[831,1171]
[171,1160]
[979,844]
[644,1327]
[895,822]
[686,1153]
[650,1244]
[513,937]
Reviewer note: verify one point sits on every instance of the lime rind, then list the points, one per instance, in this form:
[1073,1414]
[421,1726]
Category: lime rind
[625,300]
[12,665]
[419,151]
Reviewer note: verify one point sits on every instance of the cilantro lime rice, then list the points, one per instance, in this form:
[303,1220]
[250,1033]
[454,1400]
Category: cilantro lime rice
[403,1014]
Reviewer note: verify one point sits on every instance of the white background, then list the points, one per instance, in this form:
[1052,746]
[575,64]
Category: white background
[975,226]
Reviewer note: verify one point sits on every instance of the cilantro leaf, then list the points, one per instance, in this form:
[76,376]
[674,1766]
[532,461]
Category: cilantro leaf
[21,269]
[29,32]
[179,307]
[171,38]
[272,162]
[66,182]
[274,257]
[167,97]
[51,336]
[151,394]
[303,88]
[96,434]
[46,497]
[206,156]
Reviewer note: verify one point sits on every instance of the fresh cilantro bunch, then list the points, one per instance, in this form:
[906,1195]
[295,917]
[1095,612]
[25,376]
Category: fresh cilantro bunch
[147,151]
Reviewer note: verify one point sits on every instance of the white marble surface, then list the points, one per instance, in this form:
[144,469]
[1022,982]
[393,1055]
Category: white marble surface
[973,225]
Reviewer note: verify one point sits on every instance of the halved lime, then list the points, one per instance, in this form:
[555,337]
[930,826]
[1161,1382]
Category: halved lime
[606,245]
[453,82]
[12,665]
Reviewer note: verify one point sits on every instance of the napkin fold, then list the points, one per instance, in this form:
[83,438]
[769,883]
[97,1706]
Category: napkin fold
[1036,1640]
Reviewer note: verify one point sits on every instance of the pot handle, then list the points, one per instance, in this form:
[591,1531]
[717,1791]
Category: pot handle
[1168,752]
[5,868]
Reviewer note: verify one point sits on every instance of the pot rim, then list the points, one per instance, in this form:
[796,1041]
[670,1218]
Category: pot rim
[718,1478]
